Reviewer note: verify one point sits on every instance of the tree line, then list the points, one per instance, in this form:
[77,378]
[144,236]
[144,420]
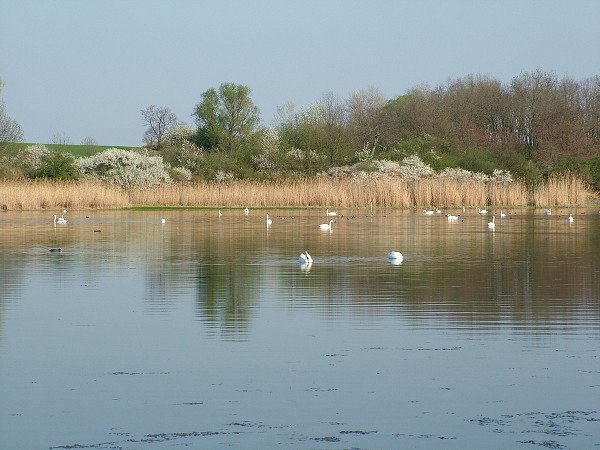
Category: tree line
[533,126]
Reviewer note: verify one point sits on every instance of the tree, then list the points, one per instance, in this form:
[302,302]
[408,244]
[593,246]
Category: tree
[10,130]
[159,120]
[226,118]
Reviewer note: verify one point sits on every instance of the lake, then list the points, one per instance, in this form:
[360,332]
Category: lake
[206,332]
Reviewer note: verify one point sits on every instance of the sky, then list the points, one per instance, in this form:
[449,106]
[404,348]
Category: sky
[86,68]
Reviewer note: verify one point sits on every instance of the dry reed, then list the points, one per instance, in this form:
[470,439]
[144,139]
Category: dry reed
[309,192]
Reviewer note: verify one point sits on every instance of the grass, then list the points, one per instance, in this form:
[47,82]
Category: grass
[74,149]
[309,192]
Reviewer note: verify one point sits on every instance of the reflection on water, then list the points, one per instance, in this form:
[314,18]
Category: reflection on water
[207,331]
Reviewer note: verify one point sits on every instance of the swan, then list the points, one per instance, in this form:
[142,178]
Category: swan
[220,214]
[570,218]
[482,211]
[502,215]
[331,213]
[451,217]
[305,258]
[246,211]
[548,211]
[326,226]
[492,224]
[395,256]
[428,212]
[163,220]
[60,219]
[269,221]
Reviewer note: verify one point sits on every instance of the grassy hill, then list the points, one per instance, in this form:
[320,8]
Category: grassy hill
[75,150]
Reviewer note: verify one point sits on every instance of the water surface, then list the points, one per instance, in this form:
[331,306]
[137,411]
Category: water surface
[206,333]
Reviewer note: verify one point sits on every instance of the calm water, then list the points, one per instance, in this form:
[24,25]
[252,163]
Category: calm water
[207,333]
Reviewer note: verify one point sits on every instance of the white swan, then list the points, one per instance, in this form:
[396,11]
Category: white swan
[502,215]
[220,214]
[548,211]
[246,211]
[482,211]
[395,256]
[428,212]
[60,219]
[451,217]
[269,221]
[331,213]
[326,226]
[570,218]
[492,224]
[163,220]
[305,258]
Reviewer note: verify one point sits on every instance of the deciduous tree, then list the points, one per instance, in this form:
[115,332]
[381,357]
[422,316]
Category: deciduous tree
[159,120]
[226,118]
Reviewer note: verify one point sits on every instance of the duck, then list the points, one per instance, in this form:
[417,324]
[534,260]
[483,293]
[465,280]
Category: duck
[326,226]
[305,258]
[56,250]
[492,224]
[395,256]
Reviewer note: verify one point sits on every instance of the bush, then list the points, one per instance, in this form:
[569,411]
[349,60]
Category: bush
[125,168]
[58,166]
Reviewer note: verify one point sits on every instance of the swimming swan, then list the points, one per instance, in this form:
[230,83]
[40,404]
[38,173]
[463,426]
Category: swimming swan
[428,212]
[570,218]
[451,217]
[246,211]
[269,221]
[502,215]
[548,212]
[482,211]
[305,258]
[492,224]
[60,219]
[395,256]
[331,213]
[326,226]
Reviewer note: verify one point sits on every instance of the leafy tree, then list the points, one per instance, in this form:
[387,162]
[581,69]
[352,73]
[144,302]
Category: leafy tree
[160,120]
[10,130]
[226,118]
[58,166]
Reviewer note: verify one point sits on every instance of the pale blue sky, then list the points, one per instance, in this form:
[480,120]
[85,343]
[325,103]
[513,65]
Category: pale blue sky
[87,67]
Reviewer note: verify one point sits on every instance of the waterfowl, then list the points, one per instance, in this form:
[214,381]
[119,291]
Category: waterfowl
[331,213]
[482,211]
[492,224]
[548,211]
[60,219]
[451,217]
[163,220]
[269,221]
[220,214]
[326,226]
[305,258]
[428,212]
[502,215]
[570,218]
[395,256]
[56,250]
[246,211]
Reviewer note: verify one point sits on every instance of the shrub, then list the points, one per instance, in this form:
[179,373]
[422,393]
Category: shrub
[125,168]
[57,166]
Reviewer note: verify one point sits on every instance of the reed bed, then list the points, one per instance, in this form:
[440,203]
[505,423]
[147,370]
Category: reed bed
[309,192]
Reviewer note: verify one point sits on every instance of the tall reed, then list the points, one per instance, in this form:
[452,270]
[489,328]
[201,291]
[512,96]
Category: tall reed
[309,192]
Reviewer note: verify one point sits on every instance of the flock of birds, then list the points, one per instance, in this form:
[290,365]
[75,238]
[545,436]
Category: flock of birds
[305,258]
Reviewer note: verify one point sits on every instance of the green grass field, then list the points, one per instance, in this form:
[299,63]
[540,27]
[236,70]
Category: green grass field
[75,150]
